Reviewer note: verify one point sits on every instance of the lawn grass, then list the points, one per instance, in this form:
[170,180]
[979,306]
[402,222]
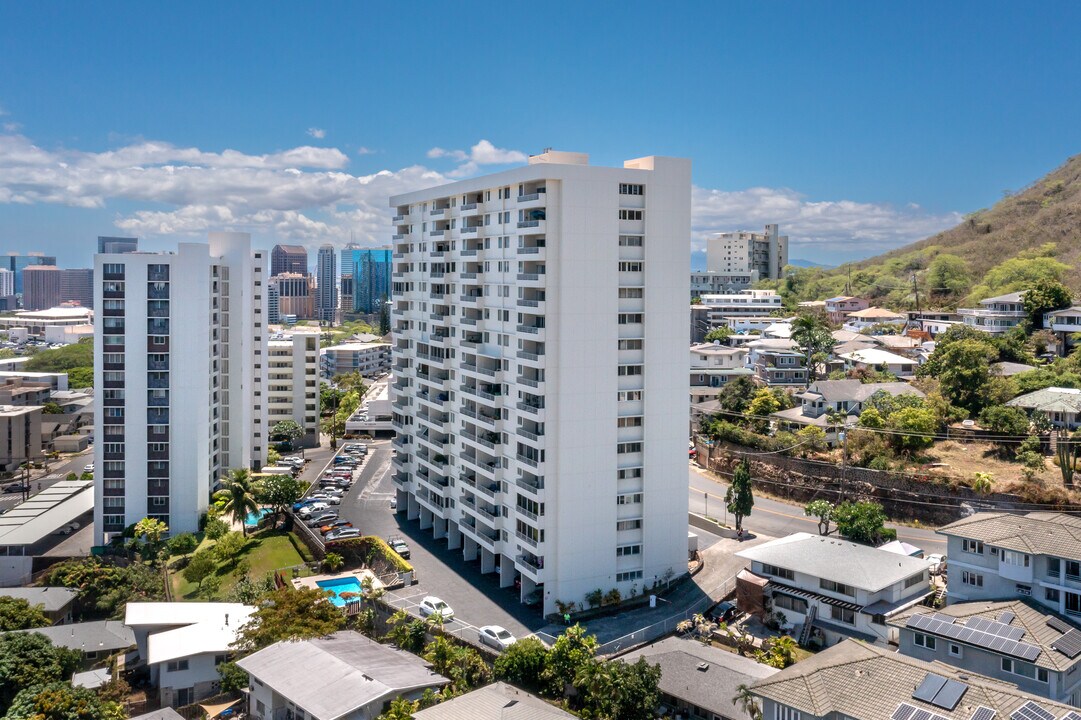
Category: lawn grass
[266,552]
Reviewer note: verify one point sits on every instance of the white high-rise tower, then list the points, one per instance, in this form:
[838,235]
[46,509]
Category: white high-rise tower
[326,275]
[539,323]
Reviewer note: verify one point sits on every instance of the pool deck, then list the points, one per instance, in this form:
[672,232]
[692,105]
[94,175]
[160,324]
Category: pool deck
[312,581]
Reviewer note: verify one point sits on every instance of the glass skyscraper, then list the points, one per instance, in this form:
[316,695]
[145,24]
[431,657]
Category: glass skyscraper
[371,268]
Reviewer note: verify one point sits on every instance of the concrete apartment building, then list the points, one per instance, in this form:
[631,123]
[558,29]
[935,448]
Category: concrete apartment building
[288,259]
[760,255]
[77,286]
[326,289]
[293,383]
[17,263]
[367,358]
[537,314]
[20,435]
[41,287]
[295,295]
[368,271]
[7,282]
[746,303]
[117,245]
[179,373]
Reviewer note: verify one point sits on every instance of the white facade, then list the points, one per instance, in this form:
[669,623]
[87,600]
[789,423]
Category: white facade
[326,294]
[709,283]
[293,383]
[539,322]
[180,367]
[997,314]
[366,358]
[762,255]
[746,303]
[7,282]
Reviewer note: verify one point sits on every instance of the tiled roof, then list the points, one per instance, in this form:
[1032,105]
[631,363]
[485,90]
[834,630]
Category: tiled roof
[868,682]
[1052,399]
[1037,533]
[1028,616]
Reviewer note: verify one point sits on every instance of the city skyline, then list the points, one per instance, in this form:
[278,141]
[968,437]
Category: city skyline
[860,129]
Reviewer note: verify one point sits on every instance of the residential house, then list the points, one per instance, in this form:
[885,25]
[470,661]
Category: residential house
[1064,323]
[997,556]
[712,366]
[698,681]
[869,317]
[97,640]
[838,308]
[877,360]
[777,362]
[183,643]
[837,588]
[55,602]
[1017,641]
[933,322]
[996,314]
[1009,369]
[344,676]
[858,681]
[498,701]
[1061,405]
[837,397]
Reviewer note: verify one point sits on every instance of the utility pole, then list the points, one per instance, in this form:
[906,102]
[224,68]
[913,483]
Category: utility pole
[844,459]
[916,290]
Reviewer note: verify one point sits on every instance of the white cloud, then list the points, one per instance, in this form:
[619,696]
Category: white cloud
[829,226]
[365,151]
[306,192]
[317,133]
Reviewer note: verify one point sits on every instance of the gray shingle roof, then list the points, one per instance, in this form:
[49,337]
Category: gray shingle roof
[868,682]
[95,636]
[835,559]
[51,599]
[712,688]
[1036,533]
[1052,399]
[854,390]
[341,672]
[1027,615]
[163,714]
[498,701]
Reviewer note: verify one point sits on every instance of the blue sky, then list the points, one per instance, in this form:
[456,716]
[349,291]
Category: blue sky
[857,126]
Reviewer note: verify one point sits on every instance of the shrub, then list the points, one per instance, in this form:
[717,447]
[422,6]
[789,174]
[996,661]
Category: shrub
[183,544]
[371,552]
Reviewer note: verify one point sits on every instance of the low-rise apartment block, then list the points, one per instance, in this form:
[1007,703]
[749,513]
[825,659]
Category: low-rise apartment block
[996,314]
[834,587]
[777,362]
[20,435]
[713,366]
[746,303]
[838,308]
[293,383]
[367,358]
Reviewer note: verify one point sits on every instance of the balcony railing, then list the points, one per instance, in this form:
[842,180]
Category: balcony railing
[522,536]
[528,198]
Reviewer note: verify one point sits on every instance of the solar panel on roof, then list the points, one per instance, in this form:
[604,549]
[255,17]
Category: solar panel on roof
[1059,624]
[904,711]
[1031,711]
[950,694]
[921,715]
[1072,715]
[1006,617]
[930,686]
[973,633]
[1069,644]
[984,713]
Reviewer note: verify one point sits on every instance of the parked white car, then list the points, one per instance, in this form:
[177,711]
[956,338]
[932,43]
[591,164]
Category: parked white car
[432,605]
[496,637]
[314,507]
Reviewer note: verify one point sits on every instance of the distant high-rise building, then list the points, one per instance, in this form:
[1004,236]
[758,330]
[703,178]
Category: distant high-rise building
[7,282]
[326,278]
[295,295]
[539,326]
[117,245]
[41,287]
[761,255]
[180,375]
[370,269]
[273,309]
[17,263]
[77,285]
[288,259]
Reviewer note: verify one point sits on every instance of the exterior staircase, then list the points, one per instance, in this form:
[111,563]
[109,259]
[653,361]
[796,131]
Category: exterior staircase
[808,625]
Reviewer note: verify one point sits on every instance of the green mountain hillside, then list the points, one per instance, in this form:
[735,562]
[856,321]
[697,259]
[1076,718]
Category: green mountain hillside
[1029,235]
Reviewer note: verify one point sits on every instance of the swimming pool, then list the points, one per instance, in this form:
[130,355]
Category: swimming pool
[339,586]
[253,518]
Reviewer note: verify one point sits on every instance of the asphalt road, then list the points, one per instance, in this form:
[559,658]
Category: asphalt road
[39,479]
[778,519]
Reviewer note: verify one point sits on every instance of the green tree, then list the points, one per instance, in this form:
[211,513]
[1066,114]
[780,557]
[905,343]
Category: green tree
[1009,421]
[862,522]
[400,709]
[913,429]
[51,408]
[151,531]
[736,395]
[200,566]
[81,377]
[719,334]
[616,690]
[872,418]
[28,659]
[182,544]
[762,405]
[333,562]
[286,431]
[983,482]
[240,497]
[1043,296]
[812,437]
[571,651]
[105,586]
[406,632]
[781,653]
[523,663]
[384,318]
[19,614]
[746,701]
[461,664]
[215,528]
[233,678]
[823,510]
[279,492]
[966,372]
[948,275]
[814,339]
[59,700]
[290,614]
[229,547]
[738,498]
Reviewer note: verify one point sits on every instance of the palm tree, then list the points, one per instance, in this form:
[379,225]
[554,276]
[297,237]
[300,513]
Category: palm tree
[747,702]
[240,497]
[982,482]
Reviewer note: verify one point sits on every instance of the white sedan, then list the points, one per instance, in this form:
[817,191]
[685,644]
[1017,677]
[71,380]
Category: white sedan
[432,605]
[497,637]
